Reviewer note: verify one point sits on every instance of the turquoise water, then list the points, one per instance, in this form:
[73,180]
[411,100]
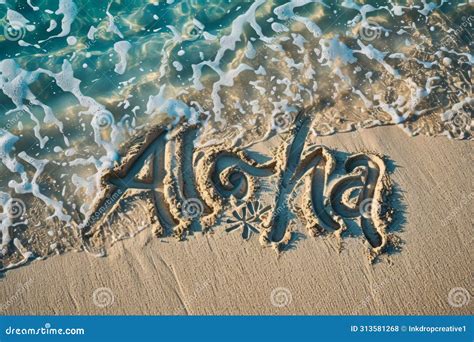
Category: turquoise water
[79,78]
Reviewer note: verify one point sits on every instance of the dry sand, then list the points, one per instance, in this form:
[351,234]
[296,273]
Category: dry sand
[219,273]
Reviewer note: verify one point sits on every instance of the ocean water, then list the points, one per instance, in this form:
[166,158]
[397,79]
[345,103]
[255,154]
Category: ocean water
[80,78]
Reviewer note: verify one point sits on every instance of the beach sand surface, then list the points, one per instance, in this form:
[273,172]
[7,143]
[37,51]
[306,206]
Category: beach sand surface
[218,273]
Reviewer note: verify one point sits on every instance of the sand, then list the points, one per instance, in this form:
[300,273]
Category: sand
[221,273]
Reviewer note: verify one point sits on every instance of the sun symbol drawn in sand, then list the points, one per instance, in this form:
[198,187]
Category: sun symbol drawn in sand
[248,217]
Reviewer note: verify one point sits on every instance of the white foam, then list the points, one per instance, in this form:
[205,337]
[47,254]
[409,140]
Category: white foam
[91,33]
[111,23]
[178,66]
[286,12]
[16,19]
[175,109]
[71,40]
[34,8]
[373,54]
[68,9]
[15,85]
[52,25]
[122,48]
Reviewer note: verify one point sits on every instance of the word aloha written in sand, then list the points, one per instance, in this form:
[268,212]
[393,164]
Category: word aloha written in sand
[187,189]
